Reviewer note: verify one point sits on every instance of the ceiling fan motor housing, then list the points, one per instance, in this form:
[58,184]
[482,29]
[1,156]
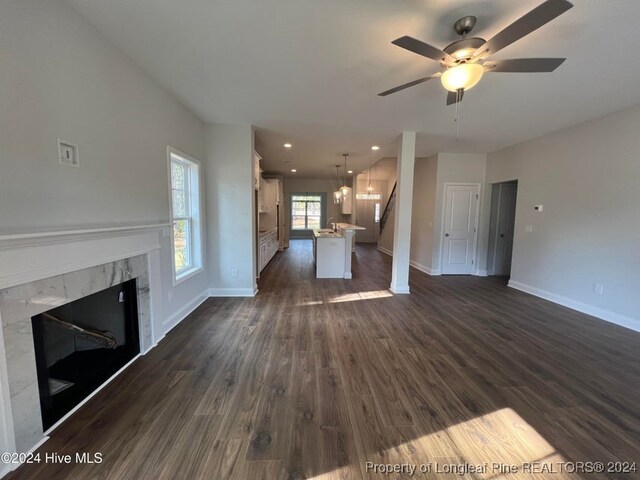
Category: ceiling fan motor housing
[463,50]
[464,25]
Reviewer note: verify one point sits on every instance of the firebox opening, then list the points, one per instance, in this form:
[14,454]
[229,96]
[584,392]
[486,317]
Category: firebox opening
[82,344]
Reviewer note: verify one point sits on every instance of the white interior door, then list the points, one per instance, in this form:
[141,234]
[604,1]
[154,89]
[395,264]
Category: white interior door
[460,229]
[504,228]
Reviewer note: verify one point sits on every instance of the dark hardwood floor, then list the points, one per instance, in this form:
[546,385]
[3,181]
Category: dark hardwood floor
[312,379]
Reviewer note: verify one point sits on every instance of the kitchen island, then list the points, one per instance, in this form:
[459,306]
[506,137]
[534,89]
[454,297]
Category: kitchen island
[332,249]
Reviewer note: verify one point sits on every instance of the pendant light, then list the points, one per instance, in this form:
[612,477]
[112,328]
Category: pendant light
[344,189]
[369,187]
[337,195]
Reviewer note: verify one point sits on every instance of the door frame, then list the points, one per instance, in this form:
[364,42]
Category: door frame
[443,220]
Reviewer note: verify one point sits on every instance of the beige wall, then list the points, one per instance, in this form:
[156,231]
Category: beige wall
[588,179]
[423,211]
[387,167]
[230,209]
[430,176]
[456,168]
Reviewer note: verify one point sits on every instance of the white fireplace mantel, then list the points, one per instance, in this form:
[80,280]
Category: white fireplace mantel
[27,257]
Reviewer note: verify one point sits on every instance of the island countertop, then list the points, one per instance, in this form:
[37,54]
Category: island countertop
[349,226]
[326,233]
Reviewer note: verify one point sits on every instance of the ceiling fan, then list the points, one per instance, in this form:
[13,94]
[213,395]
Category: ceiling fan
[465,60]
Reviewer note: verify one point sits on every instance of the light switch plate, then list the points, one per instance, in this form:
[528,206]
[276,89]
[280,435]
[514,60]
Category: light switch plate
[68,154]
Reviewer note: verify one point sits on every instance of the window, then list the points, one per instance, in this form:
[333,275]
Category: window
[368,196]
[306,211]
[376,213]
[184,174]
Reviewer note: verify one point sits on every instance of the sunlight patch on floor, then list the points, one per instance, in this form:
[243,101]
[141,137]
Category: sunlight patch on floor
[498,446]
[350,297]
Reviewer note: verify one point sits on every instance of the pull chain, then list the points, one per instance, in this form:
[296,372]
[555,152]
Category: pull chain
[457,114]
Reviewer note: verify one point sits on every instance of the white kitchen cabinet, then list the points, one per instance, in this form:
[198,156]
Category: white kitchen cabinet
[257,172]
[264,196]
[267,248]
[329,255]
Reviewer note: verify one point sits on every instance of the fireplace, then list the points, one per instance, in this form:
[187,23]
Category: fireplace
[81,344]
[40,292]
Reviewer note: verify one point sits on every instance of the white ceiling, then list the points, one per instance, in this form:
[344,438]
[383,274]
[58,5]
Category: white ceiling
[308,72]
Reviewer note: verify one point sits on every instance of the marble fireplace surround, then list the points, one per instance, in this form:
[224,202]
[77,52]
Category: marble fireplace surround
[122,255]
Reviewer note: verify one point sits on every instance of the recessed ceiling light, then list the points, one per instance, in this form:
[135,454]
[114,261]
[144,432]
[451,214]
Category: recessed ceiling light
[287,145]
[293,170]
[375,147]
[349,171]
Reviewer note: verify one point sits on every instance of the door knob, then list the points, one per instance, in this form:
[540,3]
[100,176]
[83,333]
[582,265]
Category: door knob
[446,234]
[502,234]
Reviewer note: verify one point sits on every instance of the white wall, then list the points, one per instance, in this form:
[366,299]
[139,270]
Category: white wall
[61,79]
[588,179]
[231,209]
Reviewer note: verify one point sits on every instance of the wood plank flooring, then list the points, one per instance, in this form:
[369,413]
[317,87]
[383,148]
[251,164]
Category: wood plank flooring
[312,379]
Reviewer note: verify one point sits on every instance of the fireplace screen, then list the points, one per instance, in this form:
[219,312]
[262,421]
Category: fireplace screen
[81,344]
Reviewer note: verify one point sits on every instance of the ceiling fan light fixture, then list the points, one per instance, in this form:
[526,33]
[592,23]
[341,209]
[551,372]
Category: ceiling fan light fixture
[464,76]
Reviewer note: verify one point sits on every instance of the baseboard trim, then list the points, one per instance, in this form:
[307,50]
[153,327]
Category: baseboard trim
[233,292]
[184,312]
[481,273]
[414,264]
[597,312]
[10,467]
[423,268]
[399,289]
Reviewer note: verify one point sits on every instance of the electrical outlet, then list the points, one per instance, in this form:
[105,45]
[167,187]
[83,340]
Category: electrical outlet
[68,154]
[234,272]
[598,288]
[528,228]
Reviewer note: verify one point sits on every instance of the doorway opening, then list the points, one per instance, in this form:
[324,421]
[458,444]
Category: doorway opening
[501,228]
[368,213]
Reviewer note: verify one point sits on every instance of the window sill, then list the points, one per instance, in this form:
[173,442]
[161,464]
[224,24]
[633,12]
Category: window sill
[186,275]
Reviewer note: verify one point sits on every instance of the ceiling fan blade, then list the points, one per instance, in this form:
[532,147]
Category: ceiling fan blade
[410,84]
[424,49]
[524,65]
[452,97]
[526,24]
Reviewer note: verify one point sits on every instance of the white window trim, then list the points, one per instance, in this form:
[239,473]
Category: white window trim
[197,214]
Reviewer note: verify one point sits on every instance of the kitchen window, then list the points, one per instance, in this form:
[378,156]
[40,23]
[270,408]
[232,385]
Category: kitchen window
[307,211]
[184,183]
